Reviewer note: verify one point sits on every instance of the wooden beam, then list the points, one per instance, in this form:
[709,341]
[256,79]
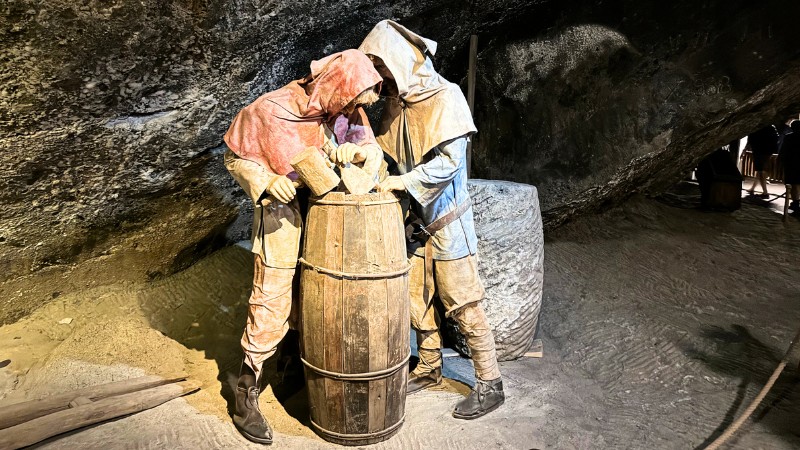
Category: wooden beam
[80,416]
[24,411]
[536,350]
[473,62]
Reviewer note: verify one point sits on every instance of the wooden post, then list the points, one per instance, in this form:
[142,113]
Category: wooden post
[22,412]
[41,428]
[473,57]
[314,171]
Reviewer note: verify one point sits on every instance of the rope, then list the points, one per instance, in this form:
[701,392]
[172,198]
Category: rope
[756,401]
[355,276]
[366,376]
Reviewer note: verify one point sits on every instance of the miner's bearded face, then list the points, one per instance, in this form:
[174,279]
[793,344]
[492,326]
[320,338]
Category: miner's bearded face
[366,98]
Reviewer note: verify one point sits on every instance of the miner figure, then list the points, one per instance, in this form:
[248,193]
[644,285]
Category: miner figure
[425,128]
[321,110]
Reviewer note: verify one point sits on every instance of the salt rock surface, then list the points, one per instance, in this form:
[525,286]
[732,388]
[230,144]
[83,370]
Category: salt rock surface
[508,222]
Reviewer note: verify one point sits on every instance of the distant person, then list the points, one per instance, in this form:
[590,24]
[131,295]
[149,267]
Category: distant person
[790,159]
[763,143]
[784,129]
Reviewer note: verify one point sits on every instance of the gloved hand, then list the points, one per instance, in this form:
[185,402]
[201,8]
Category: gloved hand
[392,183]
[282,189]
[348,153]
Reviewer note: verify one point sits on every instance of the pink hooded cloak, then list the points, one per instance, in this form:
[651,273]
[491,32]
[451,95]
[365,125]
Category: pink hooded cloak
[282,123]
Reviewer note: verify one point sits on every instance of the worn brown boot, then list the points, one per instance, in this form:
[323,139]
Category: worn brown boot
[418,382]
[486,396]
[248,419]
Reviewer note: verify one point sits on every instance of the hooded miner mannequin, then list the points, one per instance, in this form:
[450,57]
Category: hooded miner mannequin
[425,127]
[321,110]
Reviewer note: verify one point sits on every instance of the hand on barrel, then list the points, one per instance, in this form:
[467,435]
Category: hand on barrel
[282,189]
[392,183]
[348,153]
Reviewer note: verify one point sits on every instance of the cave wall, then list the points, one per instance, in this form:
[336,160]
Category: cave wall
[602,99]
[112,112]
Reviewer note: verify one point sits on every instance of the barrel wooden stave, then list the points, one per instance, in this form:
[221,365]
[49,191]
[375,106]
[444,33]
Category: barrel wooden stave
[363,325]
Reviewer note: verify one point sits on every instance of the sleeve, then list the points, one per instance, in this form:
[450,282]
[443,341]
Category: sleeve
[427,181]
[251,176]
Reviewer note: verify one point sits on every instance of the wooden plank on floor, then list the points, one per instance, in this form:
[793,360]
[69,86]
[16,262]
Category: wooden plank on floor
[41,428]
[24,411]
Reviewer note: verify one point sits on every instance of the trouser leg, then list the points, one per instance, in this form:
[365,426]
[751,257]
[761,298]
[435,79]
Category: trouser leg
[461,290]
[429,344]
[487,394]
[473,325]
[424,319]
[268,313]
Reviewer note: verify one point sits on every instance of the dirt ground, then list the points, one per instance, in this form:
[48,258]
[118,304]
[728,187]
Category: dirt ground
[660,322]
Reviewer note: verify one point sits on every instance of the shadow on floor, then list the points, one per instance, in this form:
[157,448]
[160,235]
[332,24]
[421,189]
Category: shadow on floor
[205,308]
[740,355]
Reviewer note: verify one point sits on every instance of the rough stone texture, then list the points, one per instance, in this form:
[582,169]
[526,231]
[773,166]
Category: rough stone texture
[112,111]
[111,121]
[597,100]
[508,222]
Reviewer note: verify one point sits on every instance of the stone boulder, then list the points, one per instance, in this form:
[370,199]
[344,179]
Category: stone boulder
[508,223]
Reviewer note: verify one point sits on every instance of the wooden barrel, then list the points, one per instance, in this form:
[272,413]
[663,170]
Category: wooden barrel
[355,316]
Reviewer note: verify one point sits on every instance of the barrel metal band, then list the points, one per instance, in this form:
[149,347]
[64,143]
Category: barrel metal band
[365,376]
[355,276]
[356,437]
[320,201]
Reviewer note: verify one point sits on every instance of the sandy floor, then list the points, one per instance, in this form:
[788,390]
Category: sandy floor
[658,322]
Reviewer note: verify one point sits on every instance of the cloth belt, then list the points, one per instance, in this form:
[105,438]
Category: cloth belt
[430,230]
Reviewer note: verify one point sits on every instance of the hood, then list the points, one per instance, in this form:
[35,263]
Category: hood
[338,79]
[429,109]
[407,56]
[282,123]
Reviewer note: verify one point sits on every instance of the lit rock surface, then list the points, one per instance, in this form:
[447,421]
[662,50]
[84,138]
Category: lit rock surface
[112,112]
[111,122]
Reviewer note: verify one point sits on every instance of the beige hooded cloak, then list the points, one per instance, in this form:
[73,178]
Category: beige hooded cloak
[433,108]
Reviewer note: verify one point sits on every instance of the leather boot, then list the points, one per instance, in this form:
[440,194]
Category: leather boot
[248,419]
[418,382]
[486,396]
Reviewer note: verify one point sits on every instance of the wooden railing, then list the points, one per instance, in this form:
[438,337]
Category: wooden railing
[773,168]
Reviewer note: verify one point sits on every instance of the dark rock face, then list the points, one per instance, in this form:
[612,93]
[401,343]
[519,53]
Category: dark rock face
[112,112]
[607,98]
